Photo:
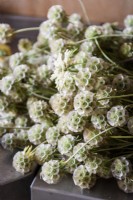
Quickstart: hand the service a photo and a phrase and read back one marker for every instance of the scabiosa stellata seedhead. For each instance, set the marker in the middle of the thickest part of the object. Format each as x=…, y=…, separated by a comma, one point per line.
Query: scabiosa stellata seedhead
x=22, y=139
x=52, y=135
x=66, y=144
x=74, y=17
x=30, y=100
x=126, y=50
x=17, y=59
x=8, y=141
x=89, y=46
x=81, y=59
x=71, y=165
x=95, y=65
x=58, y=46
x=44, y=74
x=98, y=120
x=104, y=92
x=83, y=178
x=21, y=121
x=83, y=79
x=61, y=104
x=75, y=122
x=83, y=103
x=57, y=14
x=93, y=31
x=36, y=134
x=75, y=26
x=43, y=153
x=117, y=116
x=6, y=33
x=126, y=184
x=81, y=152
x=128, y=21
x=100, y=82
x=65, y=83
x=91, y=132
x=62, y=124
x=122, y=82
x=121, y=167
x=23, y=161
x=7, y=118
x=92, y=163
x=24, y=45
x=128, y=31
x=6, y=84
x=20, y=72
x=50, y=172
x=49, y=30
x=37, y=111
x=107, y=29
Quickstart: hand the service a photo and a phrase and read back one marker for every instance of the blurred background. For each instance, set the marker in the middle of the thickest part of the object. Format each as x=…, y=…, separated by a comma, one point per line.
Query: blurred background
x=98, y=10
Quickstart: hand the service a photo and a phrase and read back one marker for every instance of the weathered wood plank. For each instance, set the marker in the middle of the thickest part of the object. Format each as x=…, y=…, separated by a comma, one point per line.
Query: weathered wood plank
x=98, y=10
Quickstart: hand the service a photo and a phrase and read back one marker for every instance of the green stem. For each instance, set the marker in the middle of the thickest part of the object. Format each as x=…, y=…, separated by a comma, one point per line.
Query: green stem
x=86, y=144
x=40, y=96
x=26, y=29
x=128, y=106
x=121, y=136
x=52, y=89
x=103, y=36
x=111, y=61
x=127, y=100
x=25, y=128
x=113, y=148
x=124, y=130
x=116, y=97
x=129, y=155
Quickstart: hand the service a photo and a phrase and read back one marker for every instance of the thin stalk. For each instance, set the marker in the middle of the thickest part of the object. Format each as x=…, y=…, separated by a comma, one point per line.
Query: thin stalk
x=125, y=155
x=128, y=106
x=40, y=96
x=87, y=143
x=121, y=136
x=84, y=11
x=124, y=130
x=127, y=100
x=129, y=155
x=25, y=128
x=107, y=58
x=26, y=29
x=102, y=36
x=111, y=61
x=52, y=89
x=44, y=92
x=112, y=148
x=48, y=90
x=116, y=97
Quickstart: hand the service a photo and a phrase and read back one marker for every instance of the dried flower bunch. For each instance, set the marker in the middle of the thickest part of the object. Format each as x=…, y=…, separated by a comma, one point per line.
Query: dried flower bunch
x=67, y=100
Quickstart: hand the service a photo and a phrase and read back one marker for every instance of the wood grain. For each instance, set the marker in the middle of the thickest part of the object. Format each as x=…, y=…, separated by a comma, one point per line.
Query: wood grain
x=98, y=10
